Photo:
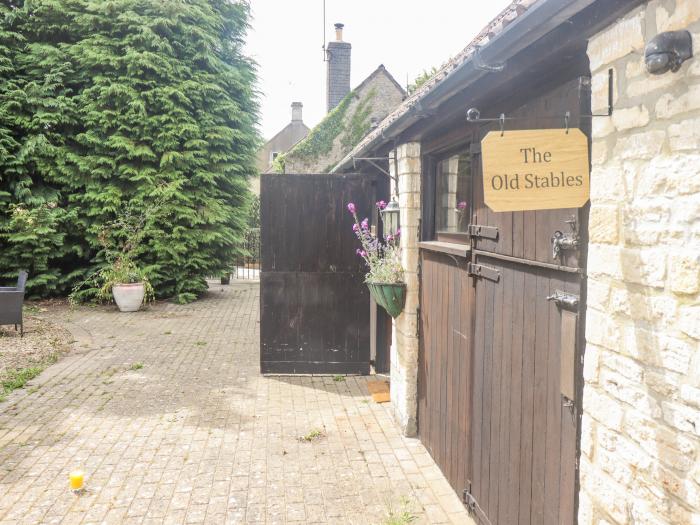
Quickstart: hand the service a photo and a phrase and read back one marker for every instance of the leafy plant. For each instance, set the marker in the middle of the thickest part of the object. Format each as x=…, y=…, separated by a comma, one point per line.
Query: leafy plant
x=382, y=258
x=120, y=240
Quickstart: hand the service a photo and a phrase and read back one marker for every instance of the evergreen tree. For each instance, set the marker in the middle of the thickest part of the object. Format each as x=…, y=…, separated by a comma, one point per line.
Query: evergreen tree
x=137, y=102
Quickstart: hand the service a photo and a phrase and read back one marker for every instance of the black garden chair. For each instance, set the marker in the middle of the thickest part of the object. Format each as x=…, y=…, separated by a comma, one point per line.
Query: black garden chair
x=11, y=300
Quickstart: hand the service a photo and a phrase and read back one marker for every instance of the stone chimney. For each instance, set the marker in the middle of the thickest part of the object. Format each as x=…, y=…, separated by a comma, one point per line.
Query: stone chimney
x=338, y=71
x=296, y=111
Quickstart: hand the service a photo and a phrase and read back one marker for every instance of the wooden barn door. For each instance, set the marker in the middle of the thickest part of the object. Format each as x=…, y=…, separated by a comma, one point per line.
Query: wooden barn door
x=528, y=343
x=315, y=307
x=499, y=393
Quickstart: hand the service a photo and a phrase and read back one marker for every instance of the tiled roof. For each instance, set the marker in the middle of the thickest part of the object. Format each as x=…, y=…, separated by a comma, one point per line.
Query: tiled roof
x=507, y=16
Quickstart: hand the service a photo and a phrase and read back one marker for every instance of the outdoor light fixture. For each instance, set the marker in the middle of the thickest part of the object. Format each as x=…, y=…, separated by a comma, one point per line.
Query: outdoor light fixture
x=667, y=51
x=390, y=218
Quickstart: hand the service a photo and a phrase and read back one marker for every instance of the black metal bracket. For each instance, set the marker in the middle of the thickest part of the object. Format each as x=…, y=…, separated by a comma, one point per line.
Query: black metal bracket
x=373, y=161
x=486, y=272
x=474, y=115
x=486, y=232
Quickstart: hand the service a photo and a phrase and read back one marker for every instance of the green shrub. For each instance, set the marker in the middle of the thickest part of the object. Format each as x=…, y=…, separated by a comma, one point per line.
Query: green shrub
x=139, y=102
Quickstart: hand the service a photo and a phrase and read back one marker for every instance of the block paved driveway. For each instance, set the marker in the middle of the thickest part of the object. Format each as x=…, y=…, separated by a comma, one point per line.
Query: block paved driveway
x=196, y=435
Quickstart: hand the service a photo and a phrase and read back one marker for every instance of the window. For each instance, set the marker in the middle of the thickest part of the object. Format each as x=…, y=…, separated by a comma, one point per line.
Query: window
x=273, y=156
x=453, y=195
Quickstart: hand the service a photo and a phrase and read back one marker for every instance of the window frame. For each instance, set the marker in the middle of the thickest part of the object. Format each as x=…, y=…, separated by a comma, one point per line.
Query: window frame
x=430, y=174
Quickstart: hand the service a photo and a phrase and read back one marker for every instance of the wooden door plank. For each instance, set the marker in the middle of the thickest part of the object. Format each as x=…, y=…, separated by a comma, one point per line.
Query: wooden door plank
x=478, y=389
x=455, y=381
x=485, y=497
x=506, y=322
x=513, y=493
x=528, y=381
x=541, y=306
x=496, y=397
x=553, y=407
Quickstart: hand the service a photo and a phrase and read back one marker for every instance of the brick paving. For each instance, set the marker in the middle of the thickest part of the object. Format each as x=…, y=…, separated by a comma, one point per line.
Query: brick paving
x=196, y=435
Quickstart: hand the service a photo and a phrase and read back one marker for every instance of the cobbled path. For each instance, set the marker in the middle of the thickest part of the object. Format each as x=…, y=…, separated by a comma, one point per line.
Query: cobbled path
x=167, y=414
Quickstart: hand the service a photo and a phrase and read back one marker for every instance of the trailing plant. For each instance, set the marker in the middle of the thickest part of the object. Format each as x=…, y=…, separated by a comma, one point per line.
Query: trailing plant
x=140, y=100
x=382, y=258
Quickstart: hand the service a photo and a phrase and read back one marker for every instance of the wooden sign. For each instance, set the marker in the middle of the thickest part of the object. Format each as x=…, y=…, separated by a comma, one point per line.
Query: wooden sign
x=537, y=169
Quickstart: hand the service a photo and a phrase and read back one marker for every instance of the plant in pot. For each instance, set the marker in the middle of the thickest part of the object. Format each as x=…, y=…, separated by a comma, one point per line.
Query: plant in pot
x=120, y=278
x=385, y=278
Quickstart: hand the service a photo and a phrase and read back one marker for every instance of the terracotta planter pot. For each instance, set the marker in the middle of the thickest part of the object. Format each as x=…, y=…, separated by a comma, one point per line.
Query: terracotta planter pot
x=128, y=296
x=391, y=297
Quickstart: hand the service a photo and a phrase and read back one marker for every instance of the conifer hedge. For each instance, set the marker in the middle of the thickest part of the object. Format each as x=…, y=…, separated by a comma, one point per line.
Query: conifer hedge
x=109, y=105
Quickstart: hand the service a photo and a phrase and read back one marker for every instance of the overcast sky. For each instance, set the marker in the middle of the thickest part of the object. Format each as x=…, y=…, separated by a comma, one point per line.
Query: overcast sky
x=407, y=36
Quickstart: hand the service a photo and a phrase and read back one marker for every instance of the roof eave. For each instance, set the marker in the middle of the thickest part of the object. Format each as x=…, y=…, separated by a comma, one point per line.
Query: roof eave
x=527, y=28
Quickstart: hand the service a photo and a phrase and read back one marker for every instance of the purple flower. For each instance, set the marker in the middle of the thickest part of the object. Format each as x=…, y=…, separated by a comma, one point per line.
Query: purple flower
x=361, y=253
x=389, y=238
x=351, y=207
x=381, y=205
x=355, y=228
x=398, y=233
x=462, y=205
x=365, y=224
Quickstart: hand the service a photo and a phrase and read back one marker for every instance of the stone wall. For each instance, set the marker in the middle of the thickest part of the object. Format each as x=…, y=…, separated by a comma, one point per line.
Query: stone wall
x=640, y=441
x=404, y=347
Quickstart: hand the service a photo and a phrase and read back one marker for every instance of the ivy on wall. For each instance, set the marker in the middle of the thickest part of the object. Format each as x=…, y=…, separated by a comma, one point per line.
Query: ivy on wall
x=359, y=122
x=336, y=125
x=320, y=139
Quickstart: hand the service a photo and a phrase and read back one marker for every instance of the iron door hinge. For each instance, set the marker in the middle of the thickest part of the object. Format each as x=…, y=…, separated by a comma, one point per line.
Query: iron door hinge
x=487, y=232
x=479, y=270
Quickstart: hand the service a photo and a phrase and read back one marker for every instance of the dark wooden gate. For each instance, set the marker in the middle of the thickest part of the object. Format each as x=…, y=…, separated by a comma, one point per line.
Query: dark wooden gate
x=315, y=308
x=500, y=361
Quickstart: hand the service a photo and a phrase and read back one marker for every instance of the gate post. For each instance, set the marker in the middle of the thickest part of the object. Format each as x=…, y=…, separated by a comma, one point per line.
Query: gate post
x=404, y=345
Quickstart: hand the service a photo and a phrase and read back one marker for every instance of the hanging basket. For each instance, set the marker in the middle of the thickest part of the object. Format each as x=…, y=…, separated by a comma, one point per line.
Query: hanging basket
x=391, y=297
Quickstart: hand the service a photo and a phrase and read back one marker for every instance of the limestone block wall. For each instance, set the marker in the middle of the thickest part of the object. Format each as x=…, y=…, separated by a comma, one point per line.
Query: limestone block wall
x=404, y=347
x=640, y=443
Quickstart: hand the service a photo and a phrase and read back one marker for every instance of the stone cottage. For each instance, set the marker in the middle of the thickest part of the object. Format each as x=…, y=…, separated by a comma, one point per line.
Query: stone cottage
x=351, y=113
x=549, y=358
x=285, y=139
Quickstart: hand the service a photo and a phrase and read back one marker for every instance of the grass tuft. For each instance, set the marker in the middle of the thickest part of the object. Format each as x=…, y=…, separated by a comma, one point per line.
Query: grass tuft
x=401, y=516
x=338, y=378
x=137, y=366
x=313, y=435
x=16, y=379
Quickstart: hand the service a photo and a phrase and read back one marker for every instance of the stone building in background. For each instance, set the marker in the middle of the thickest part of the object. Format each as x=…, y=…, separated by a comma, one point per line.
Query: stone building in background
x=280, y=143
x=351, y=113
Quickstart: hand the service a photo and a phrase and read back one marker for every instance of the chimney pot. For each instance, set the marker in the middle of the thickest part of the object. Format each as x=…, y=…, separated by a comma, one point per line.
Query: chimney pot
x=339, y=32
x=296, y=111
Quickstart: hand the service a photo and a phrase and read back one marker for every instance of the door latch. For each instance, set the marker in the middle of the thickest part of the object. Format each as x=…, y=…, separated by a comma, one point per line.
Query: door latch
x=564, y=299
x=565, y=241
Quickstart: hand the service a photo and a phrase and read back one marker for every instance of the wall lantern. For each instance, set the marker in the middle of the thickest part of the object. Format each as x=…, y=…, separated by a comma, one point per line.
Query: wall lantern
x=390, y=218
x=667, y=51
